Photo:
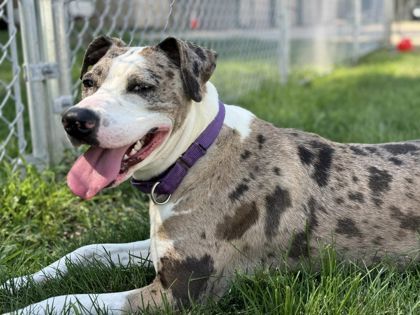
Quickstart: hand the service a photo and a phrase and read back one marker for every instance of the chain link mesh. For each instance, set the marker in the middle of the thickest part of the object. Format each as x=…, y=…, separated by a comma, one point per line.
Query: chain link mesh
x=324, y=33
x=12, y=139
x=245, y=33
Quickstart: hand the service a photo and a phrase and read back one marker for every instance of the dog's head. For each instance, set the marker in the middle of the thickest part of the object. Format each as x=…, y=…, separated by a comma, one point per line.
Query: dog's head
x=133, y=99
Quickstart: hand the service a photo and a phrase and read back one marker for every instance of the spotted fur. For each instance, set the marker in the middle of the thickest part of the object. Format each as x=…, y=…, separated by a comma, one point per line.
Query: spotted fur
x=261, y=194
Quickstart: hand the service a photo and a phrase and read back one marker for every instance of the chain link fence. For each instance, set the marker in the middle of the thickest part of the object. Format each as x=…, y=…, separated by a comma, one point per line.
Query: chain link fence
x=324, y=33
x=12, y=139
x=244, y=33
x=257, y=41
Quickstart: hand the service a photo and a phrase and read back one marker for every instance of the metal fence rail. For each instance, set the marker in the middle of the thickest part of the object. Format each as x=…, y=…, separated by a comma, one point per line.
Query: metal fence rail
x=257, y=40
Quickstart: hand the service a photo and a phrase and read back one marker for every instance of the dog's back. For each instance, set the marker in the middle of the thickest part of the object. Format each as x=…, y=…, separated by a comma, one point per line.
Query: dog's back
x=282, y=193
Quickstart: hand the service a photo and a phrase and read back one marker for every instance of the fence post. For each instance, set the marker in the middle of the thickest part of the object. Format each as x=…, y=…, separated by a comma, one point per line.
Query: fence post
x=284, y=43
x=56, y=103
x=321, y=49
x=388, y=20
x=42, y=74
x=37, y=101
x=357, y=23
x=63, y=56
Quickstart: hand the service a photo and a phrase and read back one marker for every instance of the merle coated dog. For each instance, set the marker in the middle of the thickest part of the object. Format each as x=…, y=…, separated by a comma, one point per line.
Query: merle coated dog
x=229, y=191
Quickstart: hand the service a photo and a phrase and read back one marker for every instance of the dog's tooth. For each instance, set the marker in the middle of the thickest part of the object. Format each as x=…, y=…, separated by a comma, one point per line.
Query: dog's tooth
x=138, y=145
x=133, y=151
x=125, y=157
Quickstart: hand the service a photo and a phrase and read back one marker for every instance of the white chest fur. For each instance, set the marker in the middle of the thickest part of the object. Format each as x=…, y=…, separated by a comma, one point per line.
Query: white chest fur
x=159, y=242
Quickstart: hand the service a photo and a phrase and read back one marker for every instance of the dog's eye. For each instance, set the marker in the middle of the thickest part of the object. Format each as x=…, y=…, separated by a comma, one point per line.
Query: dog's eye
x=140, y=88
x=88, y=83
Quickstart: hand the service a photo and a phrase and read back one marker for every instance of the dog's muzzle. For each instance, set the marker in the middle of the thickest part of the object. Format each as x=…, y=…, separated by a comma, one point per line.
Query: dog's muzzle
x=81, y=124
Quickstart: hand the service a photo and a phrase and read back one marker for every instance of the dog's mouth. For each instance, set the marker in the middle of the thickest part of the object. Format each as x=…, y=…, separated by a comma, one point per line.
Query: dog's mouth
x=142, y=148
x=99, y=168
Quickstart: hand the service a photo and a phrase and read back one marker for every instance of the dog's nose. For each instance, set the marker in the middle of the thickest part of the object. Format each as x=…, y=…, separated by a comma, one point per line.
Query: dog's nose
x=80, y=123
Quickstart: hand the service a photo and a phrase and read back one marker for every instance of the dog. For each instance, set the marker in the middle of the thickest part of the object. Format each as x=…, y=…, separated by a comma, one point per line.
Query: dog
x=228, y=191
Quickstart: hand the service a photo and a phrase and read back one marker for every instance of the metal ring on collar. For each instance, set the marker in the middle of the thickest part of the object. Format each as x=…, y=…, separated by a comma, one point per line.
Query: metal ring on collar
x=154, y=198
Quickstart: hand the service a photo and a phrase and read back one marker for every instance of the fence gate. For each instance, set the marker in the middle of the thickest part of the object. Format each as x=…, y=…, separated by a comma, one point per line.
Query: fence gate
x=32, y=60
x=46, y=74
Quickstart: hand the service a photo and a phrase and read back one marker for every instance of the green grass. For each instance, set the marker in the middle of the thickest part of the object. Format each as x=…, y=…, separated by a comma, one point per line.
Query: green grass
x=375, y=101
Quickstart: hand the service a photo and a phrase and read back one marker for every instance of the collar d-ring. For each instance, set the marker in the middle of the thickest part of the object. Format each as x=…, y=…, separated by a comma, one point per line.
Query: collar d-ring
x=155, y=197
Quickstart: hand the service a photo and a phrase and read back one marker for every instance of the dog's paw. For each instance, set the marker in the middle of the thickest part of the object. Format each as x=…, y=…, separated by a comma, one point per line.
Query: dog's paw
x=15, y=284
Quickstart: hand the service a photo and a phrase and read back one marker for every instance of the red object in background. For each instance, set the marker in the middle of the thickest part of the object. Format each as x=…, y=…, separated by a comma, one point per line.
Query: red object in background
x=194, y=24
x=405, y=44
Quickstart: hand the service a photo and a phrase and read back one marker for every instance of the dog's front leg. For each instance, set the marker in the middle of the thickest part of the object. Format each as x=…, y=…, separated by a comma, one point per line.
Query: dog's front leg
x=119, y=254
x=126, y=302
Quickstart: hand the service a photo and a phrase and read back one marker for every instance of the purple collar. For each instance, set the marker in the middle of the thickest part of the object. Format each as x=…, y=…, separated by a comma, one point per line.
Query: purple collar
x=167, y=182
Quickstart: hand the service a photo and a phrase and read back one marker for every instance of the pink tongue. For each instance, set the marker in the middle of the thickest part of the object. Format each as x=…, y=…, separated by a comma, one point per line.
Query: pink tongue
x=94, y=170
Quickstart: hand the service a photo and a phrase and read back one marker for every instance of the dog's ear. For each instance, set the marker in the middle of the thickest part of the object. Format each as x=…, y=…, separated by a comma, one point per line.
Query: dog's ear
x=196, y=64
x=97, y=49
